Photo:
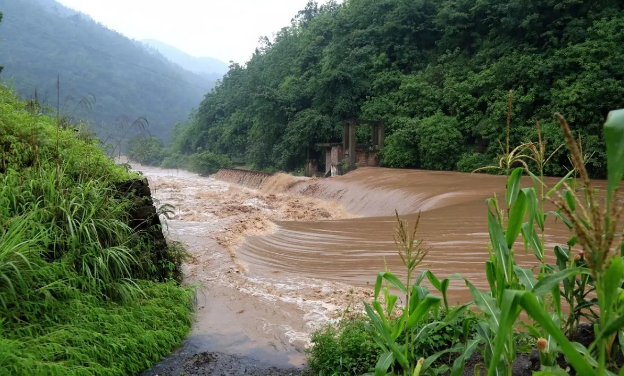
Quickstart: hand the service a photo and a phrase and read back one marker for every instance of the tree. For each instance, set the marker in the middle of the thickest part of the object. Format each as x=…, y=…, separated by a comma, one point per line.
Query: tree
x=1, y=67
x=438, y=72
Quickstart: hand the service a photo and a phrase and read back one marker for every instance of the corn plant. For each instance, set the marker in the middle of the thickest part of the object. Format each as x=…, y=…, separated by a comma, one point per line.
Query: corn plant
x=594, y=226
x=509, y=157
x=392, y=323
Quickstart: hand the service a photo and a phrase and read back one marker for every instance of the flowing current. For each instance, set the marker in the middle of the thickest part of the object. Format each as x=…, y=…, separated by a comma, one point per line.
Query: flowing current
x=276, y=257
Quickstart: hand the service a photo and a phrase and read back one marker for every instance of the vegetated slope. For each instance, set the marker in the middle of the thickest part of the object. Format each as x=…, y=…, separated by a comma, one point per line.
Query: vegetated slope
x=438, y=72
x=208, y=67
x=81, y=291
x=41, y=39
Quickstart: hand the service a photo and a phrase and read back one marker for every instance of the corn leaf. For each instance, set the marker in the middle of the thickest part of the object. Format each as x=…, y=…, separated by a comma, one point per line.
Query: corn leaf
x=487, y=305
x=460, y=362
x=513, y=186
x=516, y=218
x=614, y=137
x=385, y=361
x=510, y=310
x=526, y=277
x=427, y=304
x=499, y=244
x=546, y=284
x=560, y=183
x=529, y=302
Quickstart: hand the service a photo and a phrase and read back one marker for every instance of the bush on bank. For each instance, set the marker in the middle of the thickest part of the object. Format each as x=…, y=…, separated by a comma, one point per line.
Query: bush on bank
x=149, y=151
x=79, y=292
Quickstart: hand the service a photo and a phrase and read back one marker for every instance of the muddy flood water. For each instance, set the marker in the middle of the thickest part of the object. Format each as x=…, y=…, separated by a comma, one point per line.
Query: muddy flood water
x=276, y=257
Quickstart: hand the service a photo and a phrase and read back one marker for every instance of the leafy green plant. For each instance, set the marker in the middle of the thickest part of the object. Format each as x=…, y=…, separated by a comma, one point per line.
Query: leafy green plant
x=396, y=330
x=509, y=157
x=594, y=226
x=206, y=163
x=346, y=348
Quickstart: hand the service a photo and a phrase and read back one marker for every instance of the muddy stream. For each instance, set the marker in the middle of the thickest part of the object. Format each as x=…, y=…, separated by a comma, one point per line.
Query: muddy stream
x=276, y=257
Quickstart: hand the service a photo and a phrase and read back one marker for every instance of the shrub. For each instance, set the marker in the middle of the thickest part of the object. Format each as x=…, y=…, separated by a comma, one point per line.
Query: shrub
x=469, y=162
x=206, y=163
x=346, y=348
x=439, y=142
x=401, y=147
x=145, y=150
x=432, y=143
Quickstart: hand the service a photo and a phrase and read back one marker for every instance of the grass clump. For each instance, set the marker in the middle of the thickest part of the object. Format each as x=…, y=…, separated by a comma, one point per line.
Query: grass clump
x=344, y=349
x=80, y=292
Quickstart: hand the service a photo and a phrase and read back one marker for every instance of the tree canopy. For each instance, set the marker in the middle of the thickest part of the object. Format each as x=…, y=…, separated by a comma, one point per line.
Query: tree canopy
x=438, y=72
x=42, y=40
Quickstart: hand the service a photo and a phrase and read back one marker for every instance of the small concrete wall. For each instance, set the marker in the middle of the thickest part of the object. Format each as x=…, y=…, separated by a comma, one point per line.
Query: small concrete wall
x=365, y=158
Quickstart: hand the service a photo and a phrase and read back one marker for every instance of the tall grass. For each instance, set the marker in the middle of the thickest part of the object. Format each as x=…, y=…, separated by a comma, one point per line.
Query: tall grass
x=75, y=290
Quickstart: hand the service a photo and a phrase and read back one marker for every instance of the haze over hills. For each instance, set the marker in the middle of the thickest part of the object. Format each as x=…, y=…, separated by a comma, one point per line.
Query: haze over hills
x=42, y=39
x=207, y=67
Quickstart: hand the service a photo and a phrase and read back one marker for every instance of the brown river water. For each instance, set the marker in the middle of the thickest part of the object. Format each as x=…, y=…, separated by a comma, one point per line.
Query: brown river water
x=277, y=257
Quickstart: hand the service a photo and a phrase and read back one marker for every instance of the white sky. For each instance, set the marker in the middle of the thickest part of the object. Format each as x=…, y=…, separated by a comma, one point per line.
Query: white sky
x=223, y=29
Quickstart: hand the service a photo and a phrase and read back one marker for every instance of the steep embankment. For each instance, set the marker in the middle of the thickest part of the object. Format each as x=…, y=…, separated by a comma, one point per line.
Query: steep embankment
x=85, y=275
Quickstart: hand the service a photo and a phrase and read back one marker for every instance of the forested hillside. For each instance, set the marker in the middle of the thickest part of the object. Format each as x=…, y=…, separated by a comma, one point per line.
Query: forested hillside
x=438, y=72
x=42, y=39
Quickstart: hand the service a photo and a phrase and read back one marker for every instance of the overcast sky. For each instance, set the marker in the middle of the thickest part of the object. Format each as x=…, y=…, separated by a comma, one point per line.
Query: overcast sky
x=224, y=29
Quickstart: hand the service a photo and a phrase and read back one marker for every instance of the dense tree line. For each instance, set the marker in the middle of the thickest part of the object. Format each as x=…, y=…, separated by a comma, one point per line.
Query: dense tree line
x=42, y=39
x=438, y=72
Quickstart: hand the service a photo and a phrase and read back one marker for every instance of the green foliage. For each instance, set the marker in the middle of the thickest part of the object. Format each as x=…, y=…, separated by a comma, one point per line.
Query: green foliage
x=86, y=335
x=145, y=150
x=401, y=149
x=405, y=62
x=44, y=39
x=345, y=349
x=175, y=160
x=206, y=163
x=439, y=142
x=75, y=290
x=469, y=162
x=1, y=67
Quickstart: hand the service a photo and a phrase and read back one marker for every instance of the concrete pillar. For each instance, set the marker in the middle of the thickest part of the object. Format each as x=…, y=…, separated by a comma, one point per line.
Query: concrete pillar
x=374, y=134
x=381, y=131
x=352, y=141
x=345, y=140
x=328, y=159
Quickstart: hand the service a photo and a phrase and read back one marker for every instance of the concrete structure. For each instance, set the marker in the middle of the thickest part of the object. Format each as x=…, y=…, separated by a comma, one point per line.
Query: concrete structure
x=378, y=132
x=362, y=155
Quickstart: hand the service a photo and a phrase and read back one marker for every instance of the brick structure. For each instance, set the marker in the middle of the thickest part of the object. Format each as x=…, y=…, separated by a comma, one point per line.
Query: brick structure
x=365, y=158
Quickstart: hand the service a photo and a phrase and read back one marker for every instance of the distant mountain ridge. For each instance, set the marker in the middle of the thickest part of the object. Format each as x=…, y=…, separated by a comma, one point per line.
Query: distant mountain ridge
x=42, y=39
x=205, y=66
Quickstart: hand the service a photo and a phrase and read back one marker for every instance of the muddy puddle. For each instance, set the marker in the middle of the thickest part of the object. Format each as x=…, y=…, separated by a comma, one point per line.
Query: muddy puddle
x=278, y=261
